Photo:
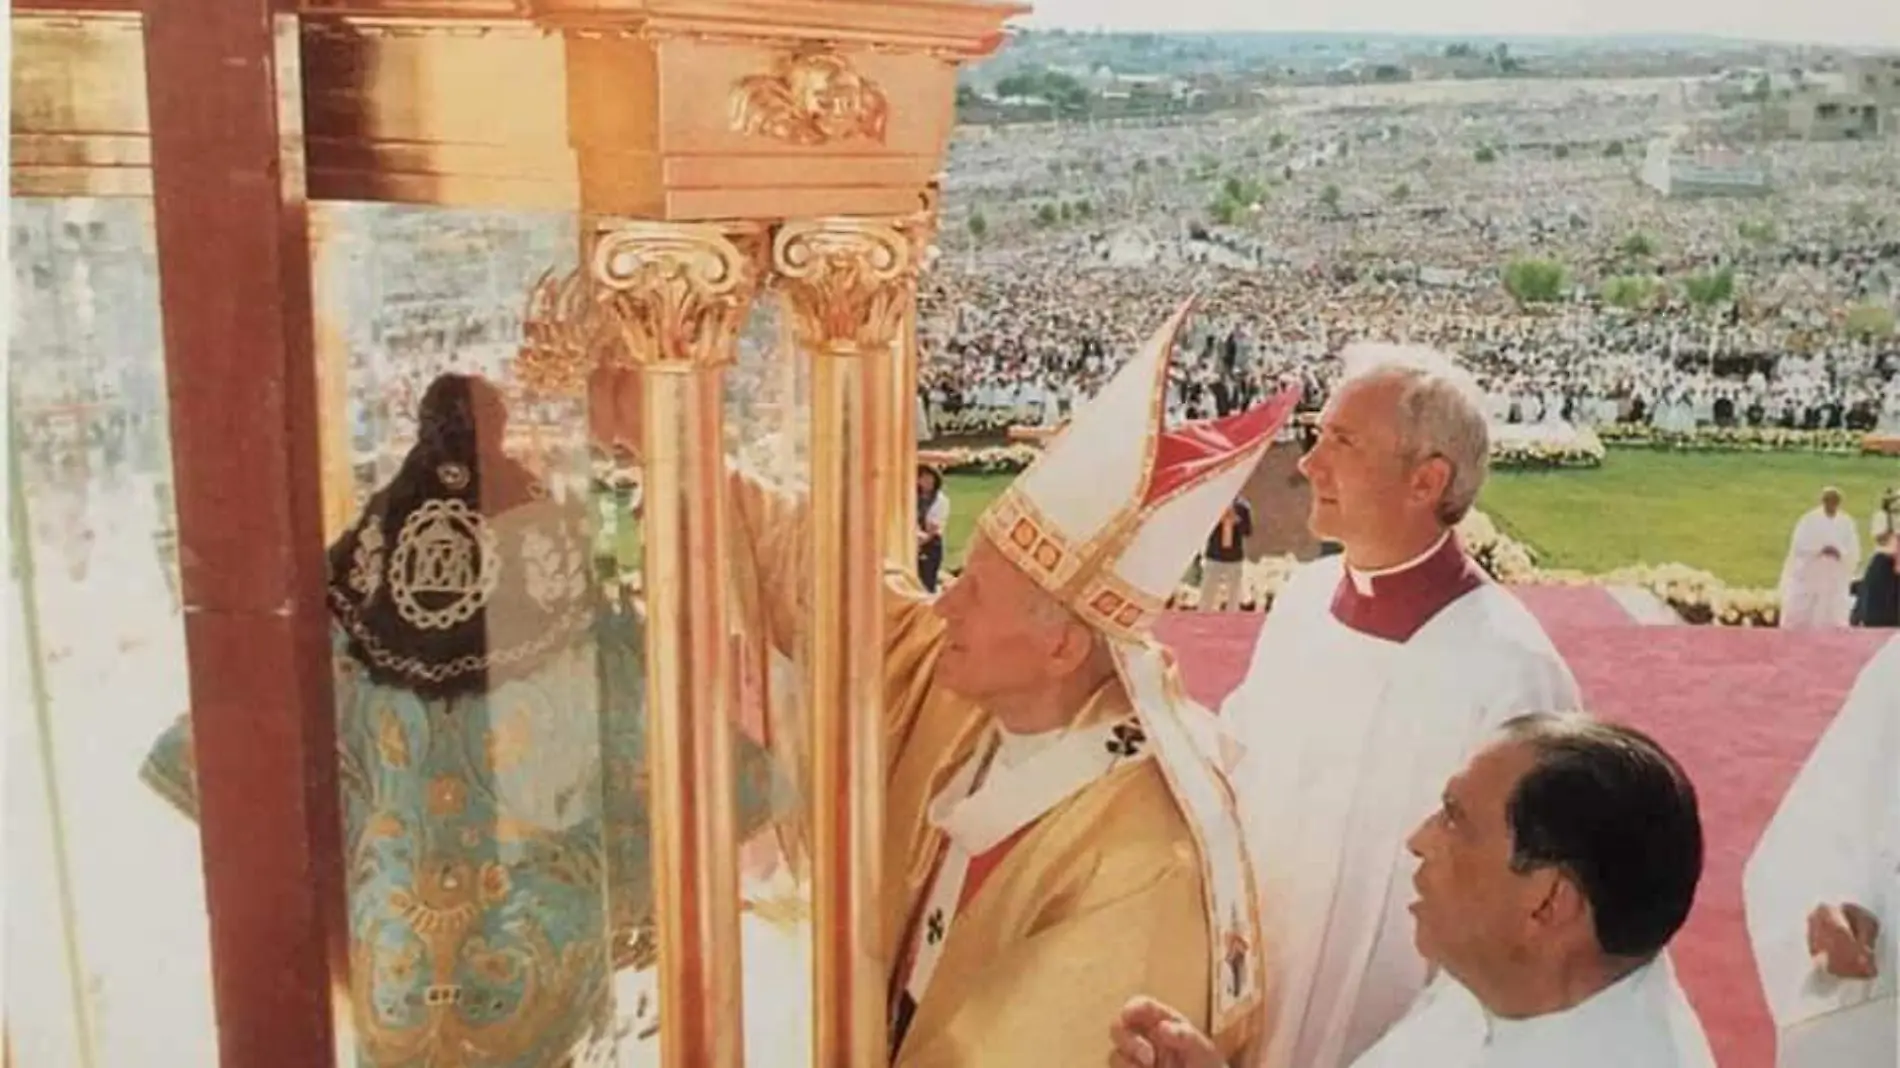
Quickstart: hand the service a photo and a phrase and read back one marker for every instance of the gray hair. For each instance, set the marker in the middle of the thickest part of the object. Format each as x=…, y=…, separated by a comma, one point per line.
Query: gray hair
x=1441, y=415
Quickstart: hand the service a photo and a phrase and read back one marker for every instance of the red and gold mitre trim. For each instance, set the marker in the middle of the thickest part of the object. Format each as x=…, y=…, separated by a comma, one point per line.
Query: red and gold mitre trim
x=1075, y=573
x=1020, y=531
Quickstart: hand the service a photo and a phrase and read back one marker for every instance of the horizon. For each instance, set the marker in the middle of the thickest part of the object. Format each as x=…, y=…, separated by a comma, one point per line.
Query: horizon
x=1869, y=24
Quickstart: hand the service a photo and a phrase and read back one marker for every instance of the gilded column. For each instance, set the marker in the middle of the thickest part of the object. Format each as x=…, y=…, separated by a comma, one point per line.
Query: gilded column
x=899, y=382
x=330, y=315
x=678, y=294
x=849, y=285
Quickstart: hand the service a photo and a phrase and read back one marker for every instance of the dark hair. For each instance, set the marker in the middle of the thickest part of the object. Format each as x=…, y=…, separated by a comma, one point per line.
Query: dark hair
x=1615, y=812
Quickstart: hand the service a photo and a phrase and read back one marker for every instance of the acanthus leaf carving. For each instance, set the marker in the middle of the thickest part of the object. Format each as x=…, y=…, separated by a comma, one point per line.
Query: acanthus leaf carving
x=676, y=294
x=849, y=282
x=668, y=296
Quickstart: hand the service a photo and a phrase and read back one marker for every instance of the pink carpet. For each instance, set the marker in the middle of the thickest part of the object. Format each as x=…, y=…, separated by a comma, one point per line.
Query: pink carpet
x=1739, y=708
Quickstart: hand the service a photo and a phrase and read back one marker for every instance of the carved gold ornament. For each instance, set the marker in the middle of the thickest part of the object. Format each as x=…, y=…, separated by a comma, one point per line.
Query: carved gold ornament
x=676, y=295
x=562, y=335
x=849, y=282
x=812, y=97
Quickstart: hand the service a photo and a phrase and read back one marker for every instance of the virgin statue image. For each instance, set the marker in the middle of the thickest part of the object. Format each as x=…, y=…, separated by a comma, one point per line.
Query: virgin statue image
x=491, y=748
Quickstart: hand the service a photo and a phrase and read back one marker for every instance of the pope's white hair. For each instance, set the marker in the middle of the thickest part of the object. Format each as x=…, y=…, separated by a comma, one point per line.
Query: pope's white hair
x=1441, y=414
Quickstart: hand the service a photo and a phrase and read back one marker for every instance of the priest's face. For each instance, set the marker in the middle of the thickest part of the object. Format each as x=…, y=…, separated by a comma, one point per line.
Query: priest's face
x=1363, y=487
x=1473, y=910
x=1000, y=637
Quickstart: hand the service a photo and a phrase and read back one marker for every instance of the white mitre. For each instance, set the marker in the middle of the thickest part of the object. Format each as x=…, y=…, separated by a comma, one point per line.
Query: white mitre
x=1107, y=519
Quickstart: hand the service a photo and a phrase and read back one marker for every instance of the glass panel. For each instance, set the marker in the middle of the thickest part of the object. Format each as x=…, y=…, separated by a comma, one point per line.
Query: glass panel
x=499, y=828
x=767, y=421
x=108, y=960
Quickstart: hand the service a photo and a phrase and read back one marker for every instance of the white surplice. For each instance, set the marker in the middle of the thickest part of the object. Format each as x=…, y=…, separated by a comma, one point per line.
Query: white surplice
x=1349, y=739
x=1835, y=839
x=1813, y=586
x=1641, y=1021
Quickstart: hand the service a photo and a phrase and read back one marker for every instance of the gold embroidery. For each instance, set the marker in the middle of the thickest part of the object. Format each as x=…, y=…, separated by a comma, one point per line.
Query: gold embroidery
x=366, y=570
x=446, y=556
x=553, y=571
x=391, y=744
x=447, y=795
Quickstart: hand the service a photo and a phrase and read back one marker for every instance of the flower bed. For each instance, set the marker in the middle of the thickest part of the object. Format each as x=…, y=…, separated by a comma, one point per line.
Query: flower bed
x=1544, y=448
x=1734, y=439
x=1582, y=450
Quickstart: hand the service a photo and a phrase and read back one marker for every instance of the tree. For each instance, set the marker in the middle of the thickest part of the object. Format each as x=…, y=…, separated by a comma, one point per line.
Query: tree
x=1707, y=289
x=1486, y=154
x=966, y=96
x=1045, y=215
x=1063, y=212
x=1613, y=150
x=1401, y=193
x=1224, y=211
x=1277, y=141
x=1629, y=291
x=1638, y=246
x=1561, y=152
x=1083, y=209
x=979, y=226
x=1533, y=281
x=1869, y=321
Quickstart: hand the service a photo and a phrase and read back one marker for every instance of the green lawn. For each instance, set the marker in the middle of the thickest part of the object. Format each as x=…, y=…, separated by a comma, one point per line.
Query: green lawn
x=1728, y=513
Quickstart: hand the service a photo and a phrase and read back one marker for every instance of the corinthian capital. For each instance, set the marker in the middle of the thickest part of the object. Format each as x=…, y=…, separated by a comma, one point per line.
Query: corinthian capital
x=849, y=281
x=675, y=294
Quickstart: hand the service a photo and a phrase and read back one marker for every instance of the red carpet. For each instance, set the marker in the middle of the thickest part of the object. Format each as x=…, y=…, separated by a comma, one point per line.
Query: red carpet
x=1739, y=708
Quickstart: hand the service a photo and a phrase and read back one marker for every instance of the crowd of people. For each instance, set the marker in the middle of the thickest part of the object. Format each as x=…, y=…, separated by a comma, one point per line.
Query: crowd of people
x=1390, y=214
x=1001, y=349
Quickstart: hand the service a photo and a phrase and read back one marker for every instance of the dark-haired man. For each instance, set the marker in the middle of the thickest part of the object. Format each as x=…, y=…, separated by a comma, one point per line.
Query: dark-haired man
x=1561, y=861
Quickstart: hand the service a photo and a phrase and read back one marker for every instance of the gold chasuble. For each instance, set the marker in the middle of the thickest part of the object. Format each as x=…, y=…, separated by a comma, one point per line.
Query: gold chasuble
x=1028, y=896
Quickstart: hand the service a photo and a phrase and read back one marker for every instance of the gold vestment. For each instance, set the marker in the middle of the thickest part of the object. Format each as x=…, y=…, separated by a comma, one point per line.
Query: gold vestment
x=1101, y=899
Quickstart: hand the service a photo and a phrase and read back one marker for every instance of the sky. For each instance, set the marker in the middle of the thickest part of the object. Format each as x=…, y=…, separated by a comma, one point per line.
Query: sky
x=1867, y=23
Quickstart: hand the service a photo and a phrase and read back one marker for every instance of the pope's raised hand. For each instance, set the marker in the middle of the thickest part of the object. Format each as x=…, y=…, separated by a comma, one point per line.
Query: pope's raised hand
x=1149, y=1034
x=1842, y=937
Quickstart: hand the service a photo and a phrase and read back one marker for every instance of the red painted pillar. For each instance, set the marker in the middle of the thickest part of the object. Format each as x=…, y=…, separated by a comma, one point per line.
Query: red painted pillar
x=223, y=84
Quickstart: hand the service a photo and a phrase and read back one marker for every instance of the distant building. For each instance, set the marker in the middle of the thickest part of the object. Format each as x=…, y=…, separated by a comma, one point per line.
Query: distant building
x=1861, y=103
x=1675, y=171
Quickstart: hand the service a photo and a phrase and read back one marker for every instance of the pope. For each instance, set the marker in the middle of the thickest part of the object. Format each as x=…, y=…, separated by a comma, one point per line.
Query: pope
x=1058, y=834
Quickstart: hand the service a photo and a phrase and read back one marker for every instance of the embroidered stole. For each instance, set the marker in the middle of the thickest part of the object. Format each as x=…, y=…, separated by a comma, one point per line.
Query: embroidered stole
x=984, y=808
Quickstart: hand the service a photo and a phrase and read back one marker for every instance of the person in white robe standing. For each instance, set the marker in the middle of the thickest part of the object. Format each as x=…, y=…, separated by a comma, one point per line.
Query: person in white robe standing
x=1379, y=671
x=1822, y=560
x=1561, y=861
x=1822, y=890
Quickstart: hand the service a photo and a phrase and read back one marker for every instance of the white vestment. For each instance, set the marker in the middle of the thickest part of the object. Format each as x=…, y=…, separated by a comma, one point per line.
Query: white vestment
x=1835, y=839
x=1349, y=741
x=1814, y=587
x=1641, y=1021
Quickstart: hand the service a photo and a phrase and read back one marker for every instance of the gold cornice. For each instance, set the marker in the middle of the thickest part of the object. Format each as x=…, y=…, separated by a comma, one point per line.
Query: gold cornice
x=952, y=29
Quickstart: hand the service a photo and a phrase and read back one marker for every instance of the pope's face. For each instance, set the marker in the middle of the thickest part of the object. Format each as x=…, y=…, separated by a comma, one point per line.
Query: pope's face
x=998, y=637
x=1472, y=908
x=1360, y=481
